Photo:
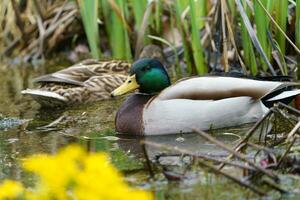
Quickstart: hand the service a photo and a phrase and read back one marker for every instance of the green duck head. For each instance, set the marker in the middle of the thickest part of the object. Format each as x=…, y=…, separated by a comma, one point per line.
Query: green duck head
x=148, y=75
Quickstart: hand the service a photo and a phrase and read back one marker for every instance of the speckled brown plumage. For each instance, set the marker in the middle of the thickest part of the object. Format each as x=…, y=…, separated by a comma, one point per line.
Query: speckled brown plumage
x=88, y=81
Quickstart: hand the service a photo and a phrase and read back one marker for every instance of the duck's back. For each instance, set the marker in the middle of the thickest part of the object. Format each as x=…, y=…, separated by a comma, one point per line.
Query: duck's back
x=218, y=87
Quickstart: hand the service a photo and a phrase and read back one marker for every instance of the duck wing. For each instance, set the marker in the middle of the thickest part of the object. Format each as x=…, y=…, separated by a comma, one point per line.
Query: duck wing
x=216, y=88
x=105, y=83
x=46, y=98
x=81, y=72
x=94, y=89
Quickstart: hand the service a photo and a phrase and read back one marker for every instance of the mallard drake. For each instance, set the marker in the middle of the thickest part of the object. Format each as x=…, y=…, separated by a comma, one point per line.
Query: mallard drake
x=199, y=102
x=88, y=81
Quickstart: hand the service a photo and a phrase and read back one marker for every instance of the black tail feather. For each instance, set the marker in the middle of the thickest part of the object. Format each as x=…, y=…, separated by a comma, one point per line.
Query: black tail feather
x=286, y=100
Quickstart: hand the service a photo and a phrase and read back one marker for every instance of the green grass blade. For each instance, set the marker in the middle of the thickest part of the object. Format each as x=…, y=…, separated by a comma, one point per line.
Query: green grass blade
x=298, y=23
x=253, y=36
x=232, y=8
x=200, y=6
x=89, y=15
x=281, y=8
x=196, y=42
x=180, y=6
x=158, y=14
x=262, y=26
x=106, y=11
x=138, y=7
x=249, y=56
x=143, y=29
x=119, y=39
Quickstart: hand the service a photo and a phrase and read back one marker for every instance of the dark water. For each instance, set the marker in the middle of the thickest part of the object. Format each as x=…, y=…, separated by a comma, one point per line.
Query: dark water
x=92, y=126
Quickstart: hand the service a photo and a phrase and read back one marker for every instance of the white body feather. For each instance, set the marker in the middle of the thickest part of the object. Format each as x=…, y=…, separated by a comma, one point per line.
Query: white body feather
x=200, y=114
x=177, y=114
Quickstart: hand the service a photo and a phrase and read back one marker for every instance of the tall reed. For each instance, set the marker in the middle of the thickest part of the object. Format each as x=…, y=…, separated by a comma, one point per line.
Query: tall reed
x=119, y=39
x=158, y=14
x=180, y=7
x=262, y=42
x=262, y=27
x=249, y=55
x=195, y=36
x=89, y=15
x=138, y=8
x=281, y=10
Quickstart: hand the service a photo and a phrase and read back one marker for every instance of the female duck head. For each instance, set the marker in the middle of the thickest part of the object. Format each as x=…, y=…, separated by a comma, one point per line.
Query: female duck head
x=147, y=75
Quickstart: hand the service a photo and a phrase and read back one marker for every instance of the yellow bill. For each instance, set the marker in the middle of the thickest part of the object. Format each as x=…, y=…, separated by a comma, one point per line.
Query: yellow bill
x=129, y=85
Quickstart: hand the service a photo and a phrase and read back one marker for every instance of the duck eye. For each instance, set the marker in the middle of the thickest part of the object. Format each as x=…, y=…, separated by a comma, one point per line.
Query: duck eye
x=146, y=68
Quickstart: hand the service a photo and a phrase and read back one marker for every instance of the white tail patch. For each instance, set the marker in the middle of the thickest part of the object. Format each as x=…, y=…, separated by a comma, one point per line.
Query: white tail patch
x=40, y=93
x=284, y=95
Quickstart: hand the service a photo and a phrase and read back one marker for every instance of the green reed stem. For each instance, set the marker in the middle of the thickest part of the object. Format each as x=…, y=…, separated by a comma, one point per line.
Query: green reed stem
x=119, y=40
x=158, y=14
x=249, y=55
x=138, y=7
x=180, y=6
x=262, y=26
x=281, y=8
x=195, y=40
x=89, y=14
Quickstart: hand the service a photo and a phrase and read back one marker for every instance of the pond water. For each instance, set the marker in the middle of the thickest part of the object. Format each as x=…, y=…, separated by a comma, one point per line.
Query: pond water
x=92, y=126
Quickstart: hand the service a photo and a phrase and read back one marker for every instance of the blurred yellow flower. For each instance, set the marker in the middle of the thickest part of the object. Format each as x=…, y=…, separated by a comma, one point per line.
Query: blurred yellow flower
x=110, y=185
x=55, y=172
x=10, y=189
x=75, y=174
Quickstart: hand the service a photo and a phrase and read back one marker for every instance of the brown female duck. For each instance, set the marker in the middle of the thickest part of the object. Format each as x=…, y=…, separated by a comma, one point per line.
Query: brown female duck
x=88, y=81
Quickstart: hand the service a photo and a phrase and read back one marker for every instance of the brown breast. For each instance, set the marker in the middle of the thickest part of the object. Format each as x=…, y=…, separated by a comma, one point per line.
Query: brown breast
x=129, y=118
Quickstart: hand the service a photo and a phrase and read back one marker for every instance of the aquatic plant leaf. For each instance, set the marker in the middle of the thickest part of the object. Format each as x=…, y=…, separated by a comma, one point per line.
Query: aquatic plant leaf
x=253, y=36
x=89, y=15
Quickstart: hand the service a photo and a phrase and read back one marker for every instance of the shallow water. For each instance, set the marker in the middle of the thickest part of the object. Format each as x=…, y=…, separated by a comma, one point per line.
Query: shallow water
x=92, y=126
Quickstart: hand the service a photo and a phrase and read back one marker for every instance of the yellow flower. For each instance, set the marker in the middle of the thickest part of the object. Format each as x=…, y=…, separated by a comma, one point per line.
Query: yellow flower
x=74, y=174
x=55, y=172
x=10, y=189
x=101, y=180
